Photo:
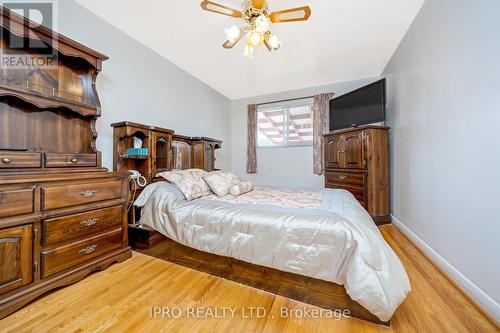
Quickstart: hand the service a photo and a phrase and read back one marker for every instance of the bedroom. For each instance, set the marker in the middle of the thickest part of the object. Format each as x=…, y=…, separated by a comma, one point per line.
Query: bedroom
x=410, y=246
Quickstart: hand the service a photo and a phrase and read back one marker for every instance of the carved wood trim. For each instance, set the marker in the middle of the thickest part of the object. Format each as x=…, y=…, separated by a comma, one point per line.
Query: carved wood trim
x=16, y=23
x=93, y=128
x=47, y=103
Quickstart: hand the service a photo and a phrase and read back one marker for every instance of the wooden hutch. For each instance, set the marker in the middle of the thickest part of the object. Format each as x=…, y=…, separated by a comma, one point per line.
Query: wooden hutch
x=62, y=215
x=166, y=151
x=357, y=160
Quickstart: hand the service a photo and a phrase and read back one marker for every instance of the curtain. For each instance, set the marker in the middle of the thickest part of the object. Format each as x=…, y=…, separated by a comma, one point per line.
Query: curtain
x=321, y=122
x=251, y=139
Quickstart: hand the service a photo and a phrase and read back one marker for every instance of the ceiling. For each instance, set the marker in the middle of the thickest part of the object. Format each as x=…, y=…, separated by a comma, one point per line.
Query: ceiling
x=343, y=40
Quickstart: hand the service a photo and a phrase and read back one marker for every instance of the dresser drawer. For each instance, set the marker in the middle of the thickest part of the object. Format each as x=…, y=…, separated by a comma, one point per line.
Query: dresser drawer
x=345, y=177
x=55, y=160
x=357, y=191
x=60, y=258
x=20, y=160
x=16, y=202
x=67, y=228
x=54, y=197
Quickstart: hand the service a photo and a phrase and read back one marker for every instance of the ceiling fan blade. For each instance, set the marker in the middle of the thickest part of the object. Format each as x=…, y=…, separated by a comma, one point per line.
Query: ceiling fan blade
x=291, y=15
x=220, y=9
x=229, y=45
x=258, y=4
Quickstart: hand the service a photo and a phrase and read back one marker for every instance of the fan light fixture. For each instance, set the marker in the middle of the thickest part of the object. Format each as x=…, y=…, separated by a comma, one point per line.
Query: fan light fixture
x=256, y=23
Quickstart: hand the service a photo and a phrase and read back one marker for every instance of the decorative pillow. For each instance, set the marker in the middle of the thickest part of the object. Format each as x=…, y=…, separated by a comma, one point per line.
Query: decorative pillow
x=189, y=182
x=197, y=172
x=241, y=188
x=221, y=181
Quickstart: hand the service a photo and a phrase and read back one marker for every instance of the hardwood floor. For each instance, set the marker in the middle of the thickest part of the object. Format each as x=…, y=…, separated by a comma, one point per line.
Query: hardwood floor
x=120, y=300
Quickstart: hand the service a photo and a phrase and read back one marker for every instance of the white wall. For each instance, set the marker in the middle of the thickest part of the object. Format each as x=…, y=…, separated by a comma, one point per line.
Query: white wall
x=139, y=85
x=279, y=166
x=444, y=110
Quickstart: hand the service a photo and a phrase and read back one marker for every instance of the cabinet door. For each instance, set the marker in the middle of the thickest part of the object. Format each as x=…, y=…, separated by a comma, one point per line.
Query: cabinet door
x=333, y=151
x=161, y=153
x=209, y=157
x=16, y=261
x=353, y=151
x=199, y=155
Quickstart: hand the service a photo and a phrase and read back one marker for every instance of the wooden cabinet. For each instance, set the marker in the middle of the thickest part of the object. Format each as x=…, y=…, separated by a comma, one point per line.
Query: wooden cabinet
x=352, y=155
x=156, y=142
x=333, y=151
x=344, y=151
x=161, y=152
x=50, y=219
x=16, y=260
x=70, y=81
x=62, y=215
x=204, y=153
x=182, y=152
x=357, y=160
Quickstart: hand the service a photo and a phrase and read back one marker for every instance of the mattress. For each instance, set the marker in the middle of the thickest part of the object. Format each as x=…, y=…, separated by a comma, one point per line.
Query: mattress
x=324, y=234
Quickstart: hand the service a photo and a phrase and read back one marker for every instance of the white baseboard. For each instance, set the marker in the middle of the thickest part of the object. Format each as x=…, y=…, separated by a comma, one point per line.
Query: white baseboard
x=485, y=302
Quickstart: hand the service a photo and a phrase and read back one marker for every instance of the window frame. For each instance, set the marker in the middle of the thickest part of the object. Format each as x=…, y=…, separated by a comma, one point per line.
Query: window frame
x=285, y=106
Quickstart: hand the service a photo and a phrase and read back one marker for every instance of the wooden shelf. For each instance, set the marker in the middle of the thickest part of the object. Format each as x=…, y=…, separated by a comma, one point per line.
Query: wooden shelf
x=45, y=102
x=134, y=157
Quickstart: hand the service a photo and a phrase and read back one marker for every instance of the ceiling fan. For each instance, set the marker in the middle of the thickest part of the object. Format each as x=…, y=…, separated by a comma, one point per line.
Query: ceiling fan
x=256, y=23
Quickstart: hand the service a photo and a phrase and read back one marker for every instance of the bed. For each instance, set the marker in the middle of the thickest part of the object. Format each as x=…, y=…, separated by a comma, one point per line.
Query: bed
x=320, y=247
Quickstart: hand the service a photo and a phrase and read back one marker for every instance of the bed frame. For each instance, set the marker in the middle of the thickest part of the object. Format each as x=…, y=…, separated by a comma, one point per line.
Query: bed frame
x=317, y=292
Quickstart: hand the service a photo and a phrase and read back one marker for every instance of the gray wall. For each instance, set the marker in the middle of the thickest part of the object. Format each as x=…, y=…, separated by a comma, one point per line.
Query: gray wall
x=292, y=166
x=444, y=110
x=139, y=85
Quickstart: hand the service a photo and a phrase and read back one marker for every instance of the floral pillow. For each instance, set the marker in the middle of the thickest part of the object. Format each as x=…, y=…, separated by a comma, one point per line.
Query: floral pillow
x=189, y=182
x=221, y=181
x=241, y=188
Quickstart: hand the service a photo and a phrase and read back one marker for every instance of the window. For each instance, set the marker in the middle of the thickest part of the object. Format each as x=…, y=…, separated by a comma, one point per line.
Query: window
x=285, y=124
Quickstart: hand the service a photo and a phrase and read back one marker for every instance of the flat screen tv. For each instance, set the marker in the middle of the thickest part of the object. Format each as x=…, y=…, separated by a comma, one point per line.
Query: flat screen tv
x=362, y=106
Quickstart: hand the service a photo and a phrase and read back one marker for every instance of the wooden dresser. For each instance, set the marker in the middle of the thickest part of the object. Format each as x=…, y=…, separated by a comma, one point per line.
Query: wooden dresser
x=62, y=216
x=357, y=160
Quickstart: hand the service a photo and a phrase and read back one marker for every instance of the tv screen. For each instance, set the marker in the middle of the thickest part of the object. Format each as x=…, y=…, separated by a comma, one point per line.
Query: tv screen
x=363, y=106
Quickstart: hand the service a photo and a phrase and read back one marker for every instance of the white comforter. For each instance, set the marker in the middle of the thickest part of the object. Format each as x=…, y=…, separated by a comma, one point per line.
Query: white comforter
x=337, y=243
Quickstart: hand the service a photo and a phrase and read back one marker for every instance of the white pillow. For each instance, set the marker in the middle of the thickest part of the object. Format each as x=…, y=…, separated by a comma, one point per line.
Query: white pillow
x=241, y=188
x=189, y=182
x=221, y=181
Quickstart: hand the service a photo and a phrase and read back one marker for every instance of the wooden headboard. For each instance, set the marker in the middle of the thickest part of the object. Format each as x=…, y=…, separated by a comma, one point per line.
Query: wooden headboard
x=165, y=150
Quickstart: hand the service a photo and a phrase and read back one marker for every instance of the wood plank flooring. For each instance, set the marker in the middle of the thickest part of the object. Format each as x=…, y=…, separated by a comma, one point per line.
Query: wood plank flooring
x=121, y=299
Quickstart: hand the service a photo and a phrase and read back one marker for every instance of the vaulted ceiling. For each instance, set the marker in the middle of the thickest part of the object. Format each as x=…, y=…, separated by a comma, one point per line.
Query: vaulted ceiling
x=343, y=40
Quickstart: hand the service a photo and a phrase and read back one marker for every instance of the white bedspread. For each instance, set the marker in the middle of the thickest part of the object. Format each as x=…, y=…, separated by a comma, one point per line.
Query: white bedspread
x=338, y=242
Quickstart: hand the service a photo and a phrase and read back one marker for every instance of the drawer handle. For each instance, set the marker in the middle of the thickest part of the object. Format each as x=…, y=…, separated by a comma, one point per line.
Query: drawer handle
x=6, y=160
x=88, y=193
x=74, y=160
x=342, y=177
x=88, y=249
x=89, y=222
